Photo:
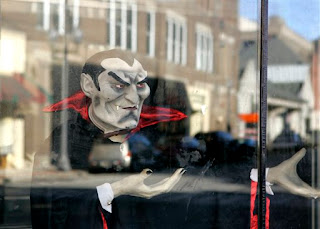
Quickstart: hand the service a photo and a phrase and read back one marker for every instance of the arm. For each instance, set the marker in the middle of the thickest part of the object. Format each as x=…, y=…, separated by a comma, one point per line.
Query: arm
x=134, y=186
x=285, y=174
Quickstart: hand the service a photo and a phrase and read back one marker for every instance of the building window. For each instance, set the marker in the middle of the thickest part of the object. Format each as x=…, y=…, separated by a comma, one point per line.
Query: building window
x=204, y=48
x=176, y=40
x=52, y=15
x=121, y=25
x=150, y=44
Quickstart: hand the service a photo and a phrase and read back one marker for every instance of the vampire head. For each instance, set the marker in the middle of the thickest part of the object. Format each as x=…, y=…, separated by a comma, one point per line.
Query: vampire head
x=116, y=83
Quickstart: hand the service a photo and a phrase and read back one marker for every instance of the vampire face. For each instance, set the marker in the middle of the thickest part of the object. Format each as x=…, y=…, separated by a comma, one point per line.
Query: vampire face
x=118, y=103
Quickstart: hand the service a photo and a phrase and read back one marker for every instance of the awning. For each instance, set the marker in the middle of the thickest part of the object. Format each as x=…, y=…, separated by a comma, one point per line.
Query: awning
x=12, y=91
x=18, y=89
x=35, y=90
x=249, y=118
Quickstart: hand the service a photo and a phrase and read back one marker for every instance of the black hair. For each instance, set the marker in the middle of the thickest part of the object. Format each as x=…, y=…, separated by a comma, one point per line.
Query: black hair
x=94, y=71
x=93, y=66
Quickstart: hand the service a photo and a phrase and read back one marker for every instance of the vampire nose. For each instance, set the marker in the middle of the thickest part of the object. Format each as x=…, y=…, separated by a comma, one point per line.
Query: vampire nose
x=132, y=95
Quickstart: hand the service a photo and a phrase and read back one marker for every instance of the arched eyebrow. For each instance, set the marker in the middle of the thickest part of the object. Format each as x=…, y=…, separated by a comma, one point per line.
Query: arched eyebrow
x=143, y=81
x=117, y=78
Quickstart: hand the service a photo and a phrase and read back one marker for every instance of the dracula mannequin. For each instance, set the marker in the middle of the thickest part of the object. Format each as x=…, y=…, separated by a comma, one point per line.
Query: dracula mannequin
x=114, y=88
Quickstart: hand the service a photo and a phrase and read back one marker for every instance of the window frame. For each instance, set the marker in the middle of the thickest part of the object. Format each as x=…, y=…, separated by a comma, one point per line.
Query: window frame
x=122, y=7
x=150, y=34
x=204, y=48
x=176, y=39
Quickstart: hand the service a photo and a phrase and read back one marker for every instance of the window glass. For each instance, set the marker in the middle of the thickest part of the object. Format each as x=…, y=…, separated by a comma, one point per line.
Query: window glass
x=118, y=27
x=146, y=114
x=129, y=29
x=64, y=164
x=291, y=130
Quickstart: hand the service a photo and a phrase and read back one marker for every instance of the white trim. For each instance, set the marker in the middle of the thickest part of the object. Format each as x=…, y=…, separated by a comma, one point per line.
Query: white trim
x=151, y=33
x=285, y=103
x=184, y=43
x=62, y=6
x=205, y=53
x=76, y=14
x=198, y=50
x=202, y=28
x=172, y=14
x=211, y=55
x=34, y=7
x=227, y=38
x=134, y=27
x=46, y=15
x=169, y=39
x=177, y=44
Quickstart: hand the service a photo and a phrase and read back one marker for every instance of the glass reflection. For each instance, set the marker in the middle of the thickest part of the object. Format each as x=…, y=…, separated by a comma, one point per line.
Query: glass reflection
x=202, y=60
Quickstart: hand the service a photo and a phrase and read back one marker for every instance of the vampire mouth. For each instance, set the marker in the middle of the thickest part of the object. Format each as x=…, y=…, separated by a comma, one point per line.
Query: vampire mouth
x=132, y=108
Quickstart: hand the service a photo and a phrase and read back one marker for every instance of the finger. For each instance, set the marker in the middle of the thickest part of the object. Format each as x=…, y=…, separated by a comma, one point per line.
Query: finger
x=303, y=190
x=293, y=183
x=163, y=186
x=145, y=173
x=178, y=172
x=298, y=156
x=314, y=193
x=176, y=179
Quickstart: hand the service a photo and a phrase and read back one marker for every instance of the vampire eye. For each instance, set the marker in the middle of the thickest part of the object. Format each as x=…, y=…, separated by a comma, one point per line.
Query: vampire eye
x=141, y=85
x=119, y=86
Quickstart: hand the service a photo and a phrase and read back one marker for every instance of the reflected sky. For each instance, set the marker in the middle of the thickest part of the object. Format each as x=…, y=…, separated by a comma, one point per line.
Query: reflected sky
x=302, y=16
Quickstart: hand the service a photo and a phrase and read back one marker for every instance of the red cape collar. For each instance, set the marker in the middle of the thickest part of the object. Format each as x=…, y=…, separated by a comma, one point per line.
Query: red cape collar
x=150, y=115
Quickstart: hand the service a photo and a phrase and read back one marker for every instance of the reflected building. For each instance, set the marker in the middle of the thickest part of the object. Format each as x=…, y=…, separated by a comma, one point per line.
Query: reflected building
x=20, y=99
x=315, y=72
x=189, y=48
x=290, y=88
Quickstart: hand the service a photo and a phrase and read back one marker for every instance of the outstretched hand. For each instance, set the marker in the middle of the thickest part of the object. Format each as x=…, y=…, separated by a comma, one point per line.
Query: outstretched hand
x=134, y=185
x=285, y=175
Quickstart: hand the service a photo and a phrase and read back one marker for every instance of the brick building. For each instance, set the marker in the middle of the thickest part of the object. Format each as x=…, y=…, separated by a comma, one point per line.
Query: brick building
x=188, y=43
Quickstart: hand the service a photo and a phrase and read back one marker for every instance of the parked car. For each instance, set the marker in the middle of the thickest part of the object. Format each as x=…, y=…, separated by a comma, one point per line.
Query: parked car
x=144, y=154
x=107, y=155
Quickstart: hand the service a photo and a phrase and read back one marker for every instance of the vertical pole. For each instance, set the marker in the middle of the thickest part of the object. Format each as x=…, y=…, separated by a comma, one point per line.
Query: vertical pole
x=263, y=115
x=64, y=162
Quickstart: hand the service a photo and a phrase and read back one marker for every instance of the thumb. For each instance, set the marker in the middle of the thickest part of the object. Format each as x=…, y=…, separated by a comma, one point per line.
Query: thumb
x=299, y=155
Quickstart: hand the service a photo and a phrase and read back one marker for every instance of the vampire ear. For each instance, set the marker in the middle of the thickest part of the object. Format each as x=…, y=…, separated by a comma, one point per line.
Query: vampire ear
x=87, y=85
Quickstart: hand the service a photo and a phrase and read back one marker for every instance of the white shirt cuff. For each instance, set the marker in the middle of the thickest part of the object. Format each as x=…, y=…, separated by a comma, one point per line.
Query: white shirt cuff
x=106, y=196
x=254, y=177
